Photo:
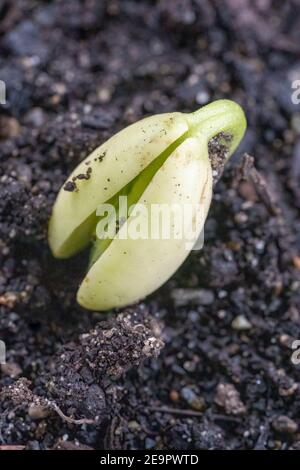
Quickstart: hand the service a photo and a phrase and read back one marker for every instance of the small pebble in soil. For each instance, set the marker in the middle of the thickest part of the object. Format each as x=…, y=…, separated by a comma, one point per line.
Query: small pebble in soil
x=12, y=369
x=42, y=144
x=70, y=186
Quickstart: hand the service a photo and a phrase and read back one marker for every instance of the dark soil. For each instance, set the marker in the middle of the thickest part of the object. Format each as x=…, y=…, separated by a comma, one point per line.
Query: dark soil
x=205, y=363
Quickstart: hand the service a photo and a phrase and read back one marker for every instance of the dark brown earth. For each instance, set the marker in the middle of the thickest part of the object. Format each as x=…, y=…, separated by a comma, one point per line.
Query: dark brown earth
x=204, y=367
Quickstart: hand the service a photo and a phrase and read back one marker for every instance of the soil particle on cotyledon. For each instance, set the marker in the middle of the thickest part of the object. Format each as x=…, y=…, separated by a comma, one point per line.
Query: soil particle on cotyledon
x=218, y=148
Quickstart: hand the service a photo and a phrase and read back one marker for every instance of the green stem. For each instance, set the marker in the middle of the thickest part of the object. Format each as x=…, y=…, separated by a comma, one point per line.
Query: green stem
x=220, y=116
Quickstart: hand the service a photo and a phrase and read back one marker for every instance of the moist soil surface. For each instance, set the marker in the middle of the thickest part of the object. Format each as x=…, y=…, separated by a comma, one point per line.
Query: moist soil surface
x=206, y=361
